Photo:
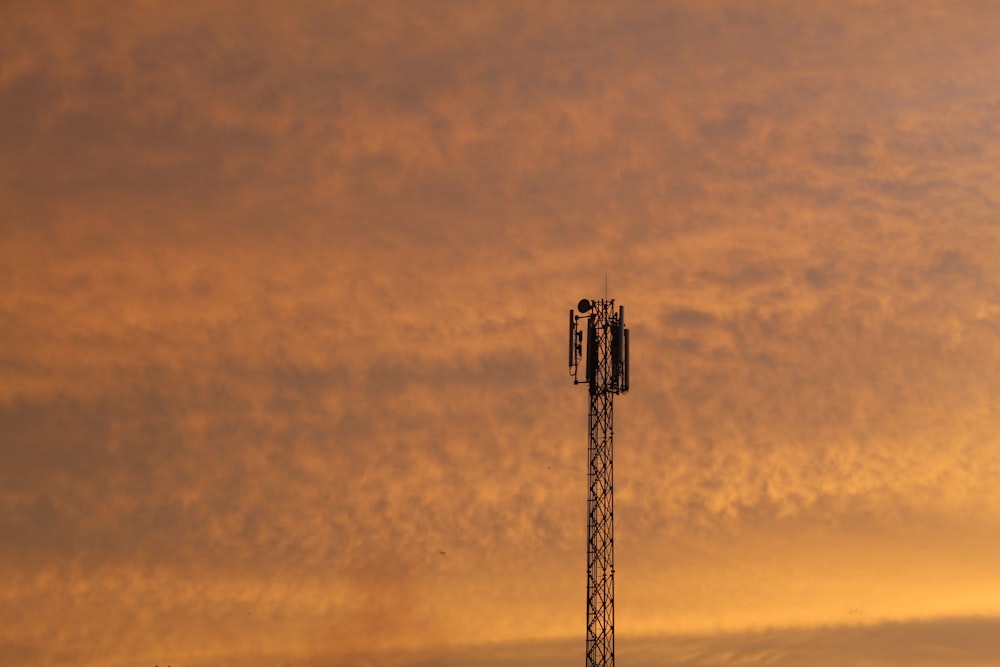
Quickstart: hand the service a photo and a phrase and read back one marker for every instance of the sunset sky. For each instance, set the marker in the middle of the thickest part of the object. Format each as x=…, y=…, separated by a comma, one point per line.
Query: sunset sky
x=283, y=298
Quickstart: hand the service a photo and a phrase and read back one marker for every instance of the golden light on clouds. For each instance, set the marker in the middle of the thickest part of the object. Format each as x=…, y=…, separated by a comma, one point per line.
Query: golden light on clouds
x=282, y=297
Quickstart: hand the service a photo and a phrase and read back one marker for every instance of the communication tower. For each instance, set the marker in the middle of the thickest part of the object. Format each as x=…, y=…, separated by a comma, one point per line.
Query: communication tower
x=605, y=372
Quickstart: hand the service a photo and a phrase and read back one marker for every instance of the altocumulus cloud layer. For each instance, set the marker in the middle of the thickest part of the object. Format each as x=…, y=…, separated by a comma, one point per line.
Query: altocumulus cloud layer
x=282, y=297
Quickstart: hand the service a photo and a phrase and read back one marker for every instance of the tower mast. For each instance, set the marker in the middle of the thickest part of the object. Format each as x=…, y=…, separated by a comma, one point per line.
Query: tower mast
x=605, y=372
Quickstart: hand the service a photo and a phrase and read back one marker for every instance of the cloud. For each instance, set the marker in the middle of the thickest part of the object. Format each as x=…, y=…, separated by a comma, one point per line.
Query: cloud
x=959, y=641
x=953, y=641
x=283, y=298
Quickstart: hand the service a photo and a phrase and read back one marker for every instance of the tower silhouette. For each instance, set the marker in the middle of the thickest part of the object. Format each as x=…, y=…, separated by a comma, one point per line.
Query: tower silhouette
x=605, y=373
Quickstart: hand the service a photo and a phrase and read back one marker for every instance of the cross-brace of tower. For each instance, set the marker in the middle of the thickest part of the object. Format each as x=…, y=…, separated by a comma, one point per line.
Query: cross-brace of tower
x=605, y=367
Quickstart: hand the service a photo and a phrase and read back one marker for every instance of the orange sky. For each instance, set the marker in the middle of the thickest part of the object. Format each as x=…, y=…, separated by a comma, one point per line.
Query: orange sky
x=283, y=293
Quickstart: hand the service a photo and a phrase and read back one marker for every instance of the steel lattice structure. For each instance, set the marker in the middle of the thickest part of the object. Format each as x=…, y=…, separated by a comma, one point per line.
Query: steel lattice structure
x=606, y=374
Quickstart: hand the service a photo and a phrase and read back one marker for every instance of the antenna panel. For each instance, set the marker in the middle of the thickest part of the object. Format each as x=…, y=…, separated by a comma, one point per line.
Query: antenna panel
x=616, y=355
x=572, y=337
x=625, y=362
x=591, y=352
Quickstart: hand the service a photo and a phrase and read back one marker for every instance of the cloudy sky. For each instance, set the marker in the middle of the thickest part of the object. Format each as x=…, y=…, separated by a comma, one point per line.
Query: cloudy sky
x=283, y=296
